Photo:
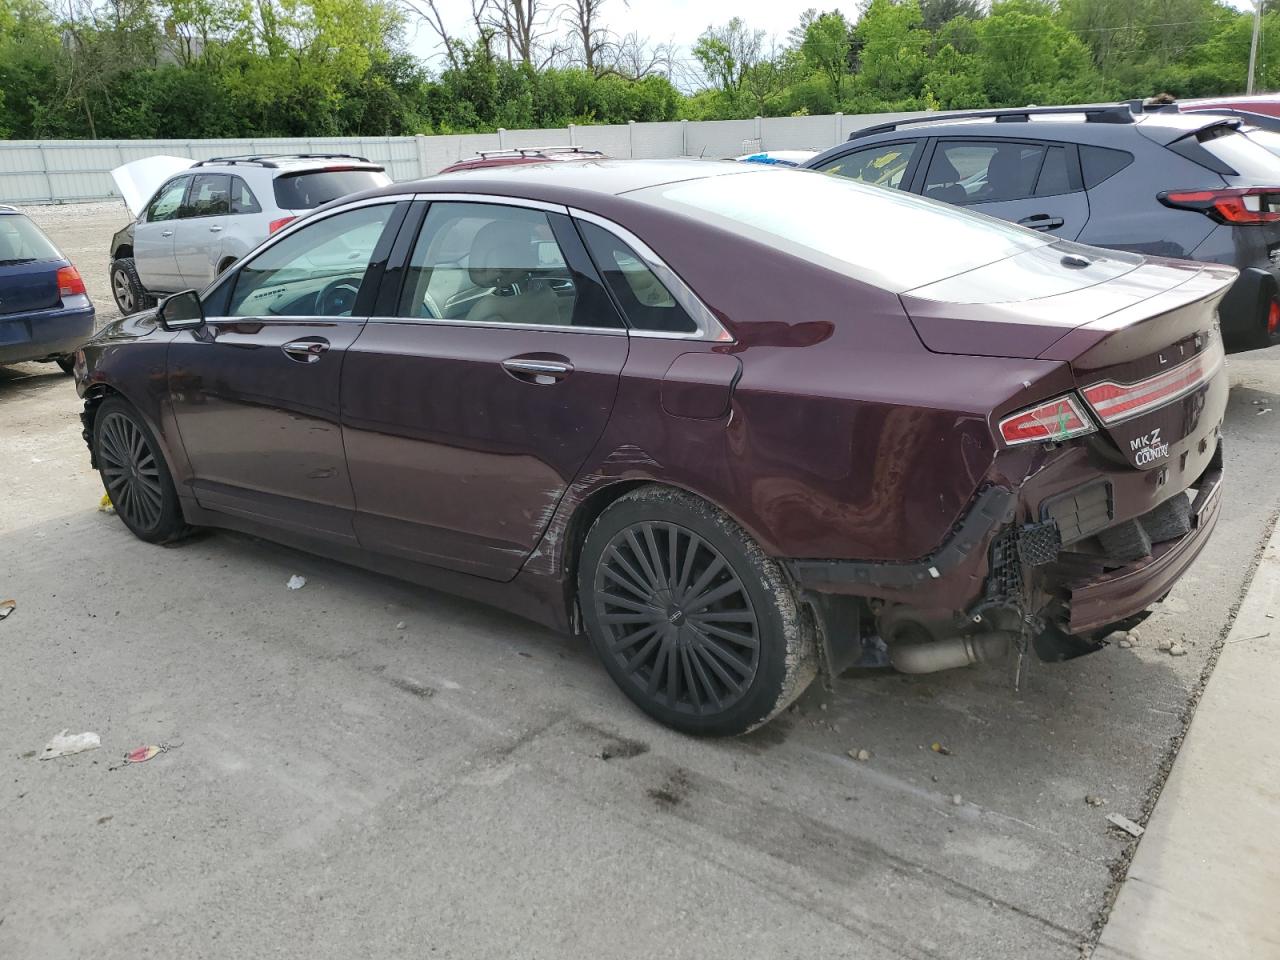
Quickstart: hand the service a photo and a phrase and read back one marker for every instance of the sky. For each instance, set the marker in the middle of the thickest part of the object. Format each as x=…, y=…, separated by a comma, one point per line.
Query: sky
x=680, y=21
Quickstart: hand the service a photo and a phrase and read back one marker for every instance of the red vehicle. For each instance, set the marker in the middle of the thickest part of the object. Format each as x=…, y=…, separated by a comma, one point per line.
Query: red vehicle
x=1262, y=104
x=506, y=158
x=733, y=441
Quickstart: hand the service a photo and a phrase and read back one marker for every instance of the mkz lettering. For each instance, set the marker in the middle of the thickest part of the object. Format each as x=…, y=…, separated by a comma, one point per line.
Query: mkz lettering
x=1148, y=448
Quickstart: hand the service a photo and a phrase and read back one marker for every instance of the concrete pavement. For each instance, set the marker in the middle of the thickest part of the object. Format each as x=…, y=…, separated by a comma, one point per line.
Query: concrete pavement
x=1205, y=882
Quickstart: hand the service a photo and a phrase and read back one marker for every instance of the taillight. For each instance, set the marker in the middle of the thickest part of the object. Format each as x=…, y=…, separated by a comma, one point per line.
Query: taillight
x=1116, y=402
x=275, y=225
x=69, y=282
x=1273, y=318
x=1059, y=419
x=1241, y=205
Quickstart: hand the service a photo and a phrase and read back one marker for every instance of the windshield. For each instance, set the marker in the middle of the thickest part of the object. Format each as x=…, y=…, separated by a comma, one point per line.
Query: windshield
x=305, y=191
x=876, y=234
x=21, y=241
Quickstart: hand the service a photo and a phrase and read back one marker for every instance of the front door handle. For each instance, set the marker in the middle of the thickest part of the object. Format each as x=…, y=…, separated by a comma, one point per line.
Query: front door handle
x=166, y=233
x=1042, y=221
x=215, y=229
x=306, y=350
x=539, y=371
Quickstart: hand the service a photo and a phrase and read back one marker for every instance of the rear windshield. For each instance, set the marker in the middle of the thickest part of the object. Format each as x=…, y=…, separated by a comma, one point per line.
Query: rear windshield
x=1269, y=140
x=1243, y=154
x=21, y=241
x=305, y=191
x=876, y=234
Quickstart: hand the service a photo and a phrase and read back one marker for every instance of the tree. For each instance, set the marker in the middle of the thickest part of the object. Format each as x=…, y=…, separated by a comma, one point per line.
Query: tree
x=826, y=47
x=727, y=54
x=592, y=42
x=894, y=50
x=935, y=13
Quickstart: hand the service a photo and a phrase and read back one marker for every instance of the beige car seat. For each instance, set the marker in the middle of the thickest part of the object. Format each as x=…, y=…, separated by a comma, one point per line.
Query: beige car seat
x=504, y=256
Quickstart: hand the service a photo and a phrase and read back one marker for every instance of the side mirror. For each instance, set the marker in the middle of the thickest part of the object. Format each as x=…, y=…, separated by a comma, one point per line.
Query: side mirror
x=182, y=311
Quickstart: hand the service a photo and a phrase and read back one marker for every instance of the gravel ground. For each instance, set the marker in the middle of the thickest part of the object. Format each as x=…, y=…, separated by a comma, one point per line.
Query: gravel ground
x=367, y=768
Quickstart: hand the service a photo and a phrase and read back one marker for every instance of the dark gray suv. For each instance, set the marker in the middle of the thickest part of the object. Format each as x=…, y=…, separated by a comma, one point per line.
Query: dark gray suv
x=1164, y=184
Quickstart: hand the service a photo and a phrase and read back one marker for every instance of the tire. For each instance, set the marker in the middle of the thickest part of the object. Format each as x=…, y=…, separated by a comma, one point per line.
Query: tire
x=67, y=363
x=135, y=475
x=127, y=289
x=739, y=660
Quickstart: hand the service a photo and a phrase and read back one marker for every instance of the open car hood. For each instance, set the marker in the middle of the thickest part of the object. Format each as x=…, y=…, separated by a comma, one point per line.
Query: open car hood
x=138, y=180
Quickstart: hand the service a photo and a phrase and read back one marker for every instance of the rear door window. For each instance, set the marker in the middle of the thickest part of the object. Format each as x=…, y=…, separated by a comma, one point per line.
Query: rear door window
x=964, y=171
x=209, y=197
x=305, y=191
x=885, y=165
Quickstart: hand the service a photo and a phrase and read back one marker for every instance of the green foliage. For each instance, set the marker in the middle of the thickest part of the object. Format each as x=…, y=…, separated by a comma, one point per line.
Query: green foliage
x=246, y=68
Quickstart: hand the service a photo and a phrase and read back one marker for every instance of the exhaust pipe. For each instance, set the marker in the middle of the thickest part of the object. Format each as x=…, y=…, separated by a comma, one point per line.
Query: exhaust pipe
x=949, y=652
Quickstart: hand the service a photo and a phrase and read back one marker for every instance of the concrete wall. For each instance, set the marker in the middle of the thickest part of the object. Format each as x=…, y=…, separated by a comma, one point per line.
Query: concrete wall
x=64, y=171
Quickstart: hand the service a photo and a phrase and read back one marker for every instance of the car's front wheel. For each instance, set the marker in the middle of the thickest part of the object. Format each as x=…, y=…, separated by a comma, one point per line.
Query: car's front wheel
x=127, y=289
x=134, y=473
x=692, y=620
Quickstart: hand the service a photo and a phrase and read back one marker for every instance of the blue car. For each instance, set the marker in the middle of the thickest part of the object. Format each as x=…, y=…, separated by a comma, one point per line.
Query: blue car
x=45, y=311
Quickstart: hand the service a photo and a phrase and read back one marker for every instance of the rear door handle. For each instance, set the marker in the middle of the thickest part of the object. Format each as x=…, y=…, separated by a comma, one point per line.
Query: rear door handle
x=1042, y=221
x=215, y=229
x=306, y=350
x=166, y=233
x=538, y=371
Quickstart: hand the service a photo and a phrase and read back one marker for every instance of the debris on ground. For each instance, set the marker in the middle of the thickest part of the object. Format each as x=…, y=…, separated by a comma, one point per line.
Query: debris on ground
x=861, y=755
x=1177, y=650
x=1264, y=410
x=1164, y=645
x=956, y=799
x=7, y=607
x=1132, y=637
x=1094, y=800
x=105, y=505
x=64, y=746
x=936, y=747
x=1125, y=643
x=143, y=754
x=296, y=582
x=400, y=625
x=1125, y=824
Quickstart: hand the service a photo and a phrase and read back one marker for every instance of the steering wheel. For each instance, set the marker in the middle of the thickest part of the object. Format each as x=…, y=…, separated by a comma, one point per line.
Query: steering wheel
x=338, y=298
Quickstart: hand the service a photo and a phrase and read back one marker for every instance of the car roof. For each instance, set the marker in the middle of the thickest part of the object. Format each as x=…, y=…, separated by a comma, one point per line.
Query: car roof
x=568, y=181
x=1160, y=127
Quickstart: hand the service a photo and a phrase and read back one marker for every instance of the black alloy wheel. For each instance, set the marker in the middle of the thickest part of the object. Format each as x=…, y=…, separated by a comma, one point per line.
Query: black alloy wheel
x=679, y=620
x=135, y=475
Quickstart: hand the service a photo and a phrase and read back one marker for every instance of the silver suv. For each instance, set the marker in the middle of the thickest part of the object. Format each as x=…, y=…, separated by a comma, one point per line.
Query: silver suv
x=200, y=221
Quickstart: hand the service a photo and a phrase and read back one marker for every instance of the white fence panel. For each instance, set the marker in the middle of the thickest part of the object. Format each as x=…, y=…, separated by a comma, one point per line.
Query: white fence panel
x=63, y=171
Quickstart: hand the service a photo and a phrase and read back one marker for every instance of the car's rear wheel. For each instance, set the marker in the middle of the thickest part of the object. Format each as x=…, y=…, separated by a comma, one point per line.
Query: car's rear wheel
x=691, y=619
x=134, y=473
x=126, y=289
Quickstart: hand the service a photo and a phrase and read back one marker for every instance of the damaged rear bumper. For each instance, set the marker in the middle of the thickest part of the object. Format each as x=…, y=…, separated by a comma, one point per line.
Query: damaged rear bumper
x=1005, y=566
x=1096, y=602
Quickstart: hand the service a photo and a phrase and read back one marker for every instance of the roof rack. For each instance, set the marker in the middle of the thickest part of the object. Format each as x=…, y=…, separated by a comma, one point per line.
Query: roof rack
x=526, y=151
x=269, y=159
x=1124, y=112
x=1263, y=120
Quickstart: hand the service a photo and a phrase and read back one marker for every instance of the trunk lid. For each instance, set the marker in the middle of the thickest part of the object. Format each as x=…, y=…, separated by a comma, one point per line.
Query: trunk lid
x=28, y=286
x=1140, y=336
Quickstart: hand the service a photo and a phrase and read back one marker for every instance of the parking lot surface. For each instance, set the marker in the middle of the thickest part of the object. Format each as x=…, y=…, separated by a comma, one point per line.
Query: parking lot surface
x=365, y=768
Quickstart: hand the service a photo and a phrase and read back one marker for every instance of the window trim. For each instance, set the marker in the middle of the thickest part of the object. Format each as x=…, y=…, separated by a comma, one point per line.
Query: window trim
x=709, y=328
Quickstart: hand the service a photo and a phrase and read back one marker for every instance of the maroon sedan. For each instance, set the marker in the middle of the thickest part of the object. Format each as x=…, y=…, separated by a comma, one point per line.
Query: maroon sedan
x=736, y=424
